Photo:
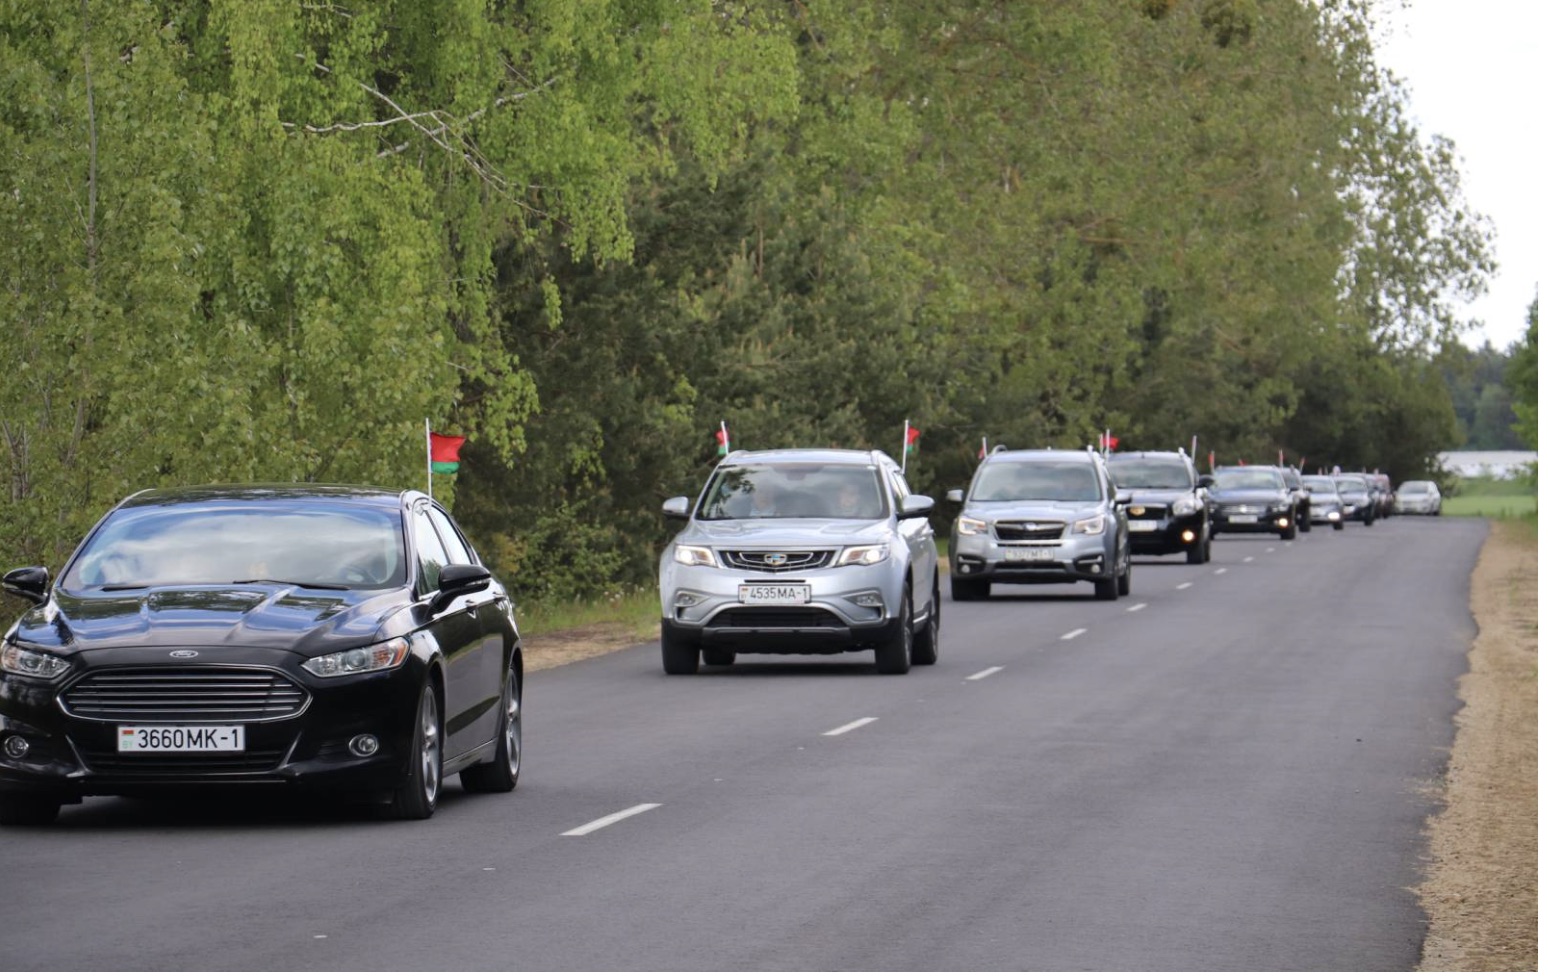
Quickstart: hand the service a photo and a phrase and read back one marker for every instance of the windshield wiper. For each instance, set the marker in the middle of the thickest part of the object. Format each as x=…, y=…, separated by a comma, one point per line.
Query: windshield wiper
x=123, y=587
x=304, y=584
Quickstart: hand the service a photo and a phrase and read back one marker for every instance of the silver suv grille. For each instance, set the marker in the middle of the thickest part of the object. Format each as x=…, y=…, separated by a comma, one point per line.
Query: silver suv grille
x=184, y=695
x=776, y=561
x=1029, y=530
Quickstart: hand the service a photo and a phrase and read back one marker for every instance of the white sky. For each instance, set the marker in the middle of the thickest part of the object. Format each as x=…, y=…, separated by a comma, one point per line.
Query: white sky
x=1473, y=71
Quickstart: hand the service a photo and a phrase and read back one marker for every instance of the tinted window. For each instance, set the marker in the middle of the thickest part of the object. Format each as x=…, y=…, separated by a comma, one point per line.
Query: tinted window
x=1051, y=479
x=1248, y=479
x=1353, y=482
x=456, y=547
x=1318, y=483
x=1150, y=473
x=432, y=555
x=224, y=541
x=793, y=491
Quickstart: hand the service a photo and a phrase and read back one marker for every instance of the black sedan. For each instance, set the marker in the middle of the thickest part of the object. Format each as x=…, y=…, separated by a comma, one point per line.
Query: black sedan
x=1168, y=509
x=1251, y=499
x=341, y=639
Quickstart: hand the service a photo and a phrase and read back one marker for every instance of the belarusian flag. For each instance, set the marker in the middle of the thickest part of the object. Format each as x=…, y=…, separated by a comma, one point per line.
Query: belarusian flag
x=722, y=440
x=443, y=452
x=911, y=441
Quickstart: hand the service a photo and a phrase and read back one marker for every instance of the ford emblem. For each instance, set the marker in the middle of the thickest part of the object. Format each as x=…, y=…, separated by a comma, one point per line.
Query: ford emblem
x=775, y=560
x=184, y=654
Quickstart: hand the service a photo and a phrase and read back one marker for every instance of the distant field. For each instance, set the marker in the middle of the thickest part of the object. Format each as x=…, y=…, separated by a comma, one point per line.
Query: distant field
x=1494, y=507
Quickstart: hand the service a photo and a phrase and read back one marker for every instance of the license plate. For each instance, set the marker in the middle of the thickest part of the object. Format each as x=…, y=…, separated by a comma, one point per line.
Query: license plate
x=181, y=740
x=1144, y=526
x=1243, y=519
x=1030, y=555
x=774, y=593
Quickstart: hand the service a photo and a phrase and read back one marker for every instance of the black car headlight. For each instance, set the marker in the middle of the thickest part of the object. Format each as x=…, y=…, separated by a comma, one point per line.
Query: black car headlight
x=1185, y=506
x=372, y=658
x=37, y=665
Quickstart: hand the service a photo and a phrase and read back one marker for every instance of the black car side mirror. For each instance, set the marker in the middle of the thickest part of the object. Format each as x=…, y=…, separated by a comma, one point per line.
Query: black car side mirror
x=1205, y=481
x=27, y=583
x=459, y=579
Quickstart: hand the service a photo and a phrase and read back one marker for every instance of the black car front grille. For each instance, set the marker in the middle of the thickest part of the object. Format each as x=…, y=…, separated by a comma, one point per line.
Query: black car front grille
x=184, y=695
x=1148, y=512
x=247, y=762
x=776, y=618
x=1029, y=530
x=776, y=561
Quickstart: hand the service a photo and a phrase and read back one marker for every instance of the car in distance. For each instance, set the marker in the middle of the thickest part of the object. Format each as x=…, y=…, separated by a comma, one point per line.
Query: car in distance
x=1359, y=502
x=1168, y=507
x=343, y=639
x=1381, y=491
x=801, y=551
x=1040, y=516
x=1417, y=496
x=1327, y=506
x=1251, y=499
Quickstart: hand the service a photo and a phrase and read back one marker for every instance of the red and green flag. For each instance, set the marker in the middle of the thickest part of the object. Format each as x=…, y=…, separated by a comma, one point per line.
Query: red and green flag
x=444, y=451
x=911, y=441
x=722, y=440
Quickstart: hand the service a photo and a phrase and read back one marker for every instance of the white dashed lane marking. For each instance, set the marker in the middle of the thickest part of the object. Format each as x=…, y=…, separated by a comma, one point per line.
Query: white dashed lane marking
x=1246, y=560
x=1135, y=607
x=607, y=820
x=1185, y=585
x=986, y=672
x=1222, y=570
x=846, y=728
x=1069, y=635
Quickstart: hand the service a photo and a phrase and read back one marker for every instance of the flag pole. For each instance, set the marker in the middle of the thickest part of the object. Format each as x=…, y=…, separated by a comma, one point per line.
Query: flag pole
x=1193, y=453
x=429, y=469
x=905, y=446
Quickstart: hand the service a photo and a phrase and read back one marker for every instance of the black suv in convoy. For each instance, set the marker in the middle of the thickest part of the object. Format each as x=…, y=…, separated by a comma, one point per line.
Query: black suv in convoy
x=1168, y=508
x=1251, y=499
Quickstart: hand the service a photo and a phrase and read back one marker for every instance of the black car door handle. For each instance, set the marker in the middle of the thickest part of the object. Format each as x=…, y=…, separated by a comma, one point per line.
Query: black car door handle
x=470, y=606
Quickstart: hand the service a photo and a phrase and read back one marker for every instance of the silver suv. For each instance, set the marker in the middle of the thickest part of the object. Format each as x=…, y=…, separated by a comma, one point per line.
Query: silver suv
x=801, y=551
x=1040, y=517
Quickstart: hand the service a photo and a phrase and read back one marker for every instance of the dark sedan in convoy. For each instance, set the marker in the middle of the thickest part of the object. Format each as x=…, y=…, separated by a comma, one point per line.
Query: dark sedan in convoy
x=1251, y=499
x=1168, y=508
x=1327, y=506
x=341, y=639
x=1360, y=503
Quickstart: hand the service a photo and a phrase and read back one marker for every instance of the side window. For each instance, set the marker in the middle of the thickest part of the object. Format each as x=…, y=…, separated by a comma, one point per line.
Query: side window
x=456, y=548
x=428, y=548
x=898, y=488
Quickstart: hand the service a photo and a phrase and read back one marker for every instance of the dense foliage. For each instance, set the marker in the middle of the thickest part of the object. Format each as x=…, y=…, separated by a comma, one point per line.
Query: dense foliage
x=264, y=240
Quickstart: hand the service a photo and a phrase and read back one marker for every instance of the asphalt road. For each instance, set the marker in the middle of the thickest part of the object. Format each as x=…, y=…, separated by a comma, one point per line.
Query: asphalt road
x=1228, y=770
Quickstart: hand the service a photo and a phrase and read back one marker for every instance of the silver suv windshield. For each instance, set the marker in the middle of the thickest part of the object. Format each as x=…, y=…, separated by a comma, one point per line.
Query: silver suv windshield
x=1248, y=479
x=1149, y=473
x=794, y=491
x=1050, y=479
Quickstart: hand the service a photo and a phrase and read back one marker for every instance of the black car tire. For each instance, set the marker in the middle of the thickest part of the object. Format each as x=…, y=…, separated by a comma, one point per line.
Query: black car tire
x=28, y=809
x=420, y=788
x=719, y=657
x=893, y=657
x=927, y=643
x=1127, y=579
x=1339, y=525
x=963, y=589
x=500, y=774
x=1107, y=589
x=1198, y=550
x=1304, y=522
x=1288, y=533
x=1370, y=516
x=679, y=657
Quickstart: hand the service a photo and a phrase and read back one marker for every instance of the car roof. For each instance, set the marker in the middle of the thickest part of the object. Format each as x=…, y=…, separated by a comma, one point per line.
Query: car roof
x=1149, y=453
x=1052, y=454
x=828, y=456
x=361, y=495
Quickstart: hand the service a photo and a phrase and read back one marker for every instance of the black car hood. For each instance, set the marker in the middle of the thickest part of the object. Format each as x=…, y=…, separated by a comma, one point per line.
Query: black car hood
x=307, y=622
x=1260, y=497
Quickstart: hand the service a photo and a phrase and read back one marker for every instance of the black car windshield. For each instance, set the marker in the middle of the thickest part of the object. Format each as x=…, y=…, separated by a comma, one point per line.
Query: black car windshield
x=1318, y=483
x=1050, y=479
x=313, y=542
x=794, y=491
x=1150, y=473
x=1248, y=479
x=1352, y=482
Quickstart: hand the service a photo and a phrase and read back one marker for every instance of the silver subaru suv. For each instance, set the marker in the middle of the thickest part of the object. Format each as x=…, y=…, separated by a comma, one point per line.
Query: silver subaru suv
x=1040, y=517
x=801, y=551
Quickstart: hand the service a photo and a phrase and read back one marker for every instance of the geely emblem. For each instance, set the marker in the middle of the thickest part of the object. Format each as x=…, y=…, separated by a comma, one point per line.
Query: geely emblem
x=184, y=654
x=775, y=560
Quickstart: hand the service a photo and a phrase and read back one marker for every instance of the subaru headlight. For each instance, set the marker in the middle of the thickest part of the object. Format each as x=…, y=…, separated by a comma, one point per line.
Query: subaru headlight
x=38, y=665
x=693, y=556
x=1186, y=506
x=1092, y=525
x=865, y=556
x=968, y=526
x=372, y=658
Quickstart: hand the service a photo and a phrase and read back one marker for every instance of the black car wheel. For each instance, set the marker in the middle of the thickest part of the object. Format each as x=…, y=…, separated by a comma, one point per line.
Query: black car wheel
x=893, y=657
x=719, y=657
x=500, y=774
x=421, y=787
x=1198, y=550
x=679, y=657
x=28, y=809
x=1107, y=590
x=928, y=642
x=1288, y=533
x=963, y=589
x=1127, y=579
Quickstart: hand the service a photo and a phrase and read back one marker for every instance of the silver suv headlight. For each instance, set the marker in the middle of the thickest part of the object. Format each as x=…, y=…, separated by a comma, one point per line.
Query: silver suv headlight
x=968, y=526
x=1186, y=506
x=693, y=556
x=867, y=555
x=1091, y=526
x=372, y=658
x=38, y=665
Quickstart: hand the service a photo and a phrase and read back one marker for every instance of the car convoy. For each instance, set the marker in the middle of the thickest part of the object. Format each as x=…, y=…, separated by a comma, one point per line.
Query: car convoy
x=351, y=640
